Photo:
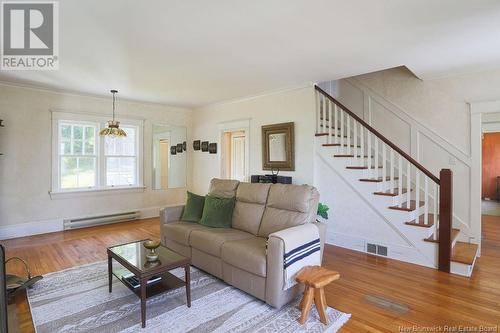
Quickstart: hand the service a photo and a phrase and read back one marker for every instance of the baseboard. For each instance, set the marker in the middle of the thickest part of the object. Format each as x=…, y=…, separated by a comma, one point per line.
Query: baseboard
x=31, y=228
x=396, y=252
x=53, y=225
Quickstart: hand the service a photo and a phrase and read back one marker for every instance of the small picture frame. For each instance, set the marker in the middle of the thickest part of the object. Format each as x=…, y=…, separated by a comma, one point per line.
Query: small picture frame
x=212, y=148
x=204, y=146
x=184, y=146
x=179, y=147
x=173, y=150
x=196, y=144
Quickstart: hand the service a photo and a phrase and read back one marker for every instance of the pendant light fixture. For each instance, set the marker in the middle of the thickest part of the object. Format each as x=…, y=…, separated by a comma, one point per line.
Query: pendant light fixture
x=113, y=128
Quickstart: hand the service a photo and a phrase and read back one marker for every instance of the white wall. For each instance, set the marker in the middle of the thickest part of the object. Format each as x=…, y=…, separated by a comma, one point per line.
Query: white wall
x=295, y=105
x=430, y=120
x=25, y=167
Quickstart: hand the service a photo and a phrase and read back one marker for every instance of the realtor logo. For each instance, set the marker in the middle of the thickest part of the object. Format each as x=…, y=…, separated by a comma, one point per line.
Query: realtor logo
x=30, y=35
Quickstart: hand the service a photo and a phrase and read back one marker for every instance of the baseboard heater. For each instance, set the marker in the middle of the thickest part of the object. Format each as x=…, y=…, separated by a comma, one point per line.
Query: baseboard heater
x=90, y=221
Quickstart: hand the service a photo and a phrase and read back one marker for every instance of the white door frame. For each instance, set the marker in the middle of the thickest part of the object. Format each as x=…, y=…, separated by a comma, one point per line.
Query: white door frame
x=233, y=126
x=477, y=110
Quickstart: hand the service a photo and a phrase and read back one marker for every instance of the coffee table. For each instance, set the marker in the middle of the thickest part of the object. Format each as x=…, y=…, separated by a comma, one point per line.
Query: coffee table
x=132, y=258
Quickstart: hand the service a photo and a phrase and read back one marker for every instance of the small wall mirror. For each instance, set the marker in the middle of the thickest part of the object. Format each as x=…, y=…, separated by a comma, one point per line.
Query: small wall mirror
x=169, y=165
x=278, y=151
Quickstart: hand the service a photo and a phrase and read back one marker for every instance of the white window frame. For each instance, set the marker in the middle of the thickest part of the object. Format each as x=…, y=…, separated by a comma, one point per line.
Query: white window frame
x=100, y=121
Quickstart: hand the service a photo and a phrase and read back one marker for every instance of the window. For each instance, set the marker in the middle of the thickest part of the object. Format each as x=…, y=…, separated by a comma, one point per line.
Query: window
x=85, y=161
x=77, y=155
x=121, y=160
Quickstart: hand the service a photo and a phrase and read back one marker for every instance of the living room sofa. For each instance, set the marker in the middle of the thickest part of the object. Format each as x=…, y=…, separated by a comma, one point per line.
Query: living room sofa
x=249, y=255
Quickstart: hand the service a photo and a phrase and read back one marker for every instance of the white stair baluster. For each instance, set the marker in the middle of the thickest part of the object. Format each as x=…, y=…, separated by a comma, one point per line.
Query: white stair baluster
x=376, y=163
x=392, y=171
x=341, y=131
x=384, y=157
x=417, y=190
x=369, y=151
x=362, y=139
x=400, y=178
x=408, y=184
x=436, y=203
x=335, y=123
x=329, y=111
x=426, y=198
x=348, y=120
x=318, y=117
x=355, y=133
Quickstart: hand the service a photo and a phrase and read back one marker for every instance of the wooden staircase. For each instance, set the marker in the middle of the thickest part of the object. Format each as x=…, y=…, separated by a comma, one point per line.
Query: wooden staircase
x=414, y=190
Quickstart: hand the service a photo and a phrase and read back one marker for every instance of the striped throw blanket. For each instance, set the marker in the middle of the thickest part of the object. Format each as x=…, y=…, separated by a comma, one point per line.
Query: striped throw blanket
x=302, y=248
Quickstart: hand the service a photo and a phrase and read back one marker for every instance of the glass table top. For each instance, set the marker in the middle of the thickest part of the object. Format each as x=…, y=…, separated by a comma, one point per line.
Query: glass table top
x=135, y=254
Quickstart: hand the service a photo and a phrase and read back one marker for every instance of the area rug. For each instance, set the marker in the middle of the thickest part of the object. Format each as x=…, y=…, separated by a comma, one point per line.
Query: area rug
x=77, y=300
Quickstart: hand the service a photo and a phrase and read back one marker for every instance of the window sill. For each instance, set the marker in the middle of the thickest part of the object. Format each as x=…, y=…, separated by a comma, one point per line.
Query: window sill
x=95, y=192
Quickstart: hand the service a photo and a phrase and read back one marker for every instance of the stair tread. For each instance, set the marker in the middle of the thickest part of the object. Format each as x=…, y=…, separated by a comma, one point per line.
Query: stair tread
x=326, y=134
x=349, y=155
x=433, y=239
x=420, y=221
x=411, y=208
x=391, y=194
x=376, y=180
x=464, y=253
x=338, y=145
x=360, y=167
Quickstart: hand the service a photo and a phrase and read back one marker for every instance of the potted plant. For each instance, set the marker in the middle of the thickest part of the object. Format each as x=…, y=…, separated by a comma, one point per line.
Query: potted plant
x=322, y=212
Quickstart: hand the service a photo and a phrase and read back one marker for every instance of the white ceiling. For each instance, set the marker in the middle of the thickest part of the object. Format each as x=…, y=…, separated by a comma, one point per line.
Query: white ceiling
x=194, y=53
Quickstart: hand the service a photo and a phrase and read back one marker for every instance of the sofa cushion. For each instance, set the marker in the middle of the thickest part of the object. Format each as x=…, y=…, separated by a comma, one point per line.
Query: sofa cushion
x=180, y=231
x=253, y=193
x=296, y=198
x=249, y=207
x=210, y=240
x=223, y=188
x=217, y=212
x=288, y=206
x=194, y=207
x=248, y=254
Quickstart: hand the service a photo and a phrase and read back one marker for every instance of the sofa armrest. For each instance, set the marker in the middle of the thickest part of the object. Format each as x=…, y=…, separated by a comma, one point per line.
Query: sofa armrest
x=275, y=254
x=171, y=214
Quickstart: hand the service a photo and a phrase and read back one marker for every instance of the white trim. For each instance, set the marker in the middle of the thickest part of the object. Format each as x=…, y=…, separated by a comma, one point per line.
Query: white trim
x=54, y=225
x=53, y=90
x=259, y=95
x=395, y=252
x=95, y=191
x=477, y=110
x=231, y=126
x=399, y=112
x=58, y=116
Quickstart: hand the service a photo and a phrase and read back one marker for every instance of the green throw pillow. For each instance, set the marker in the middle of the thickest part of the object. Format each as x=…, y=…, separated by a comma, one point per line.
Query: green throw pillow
x=194, y=208
x=218, y=212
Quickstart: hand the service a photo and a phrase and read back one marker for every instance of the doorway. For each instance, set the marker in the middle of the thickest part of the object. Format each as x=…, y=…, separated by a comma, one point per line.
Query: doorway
x=234, y=155
x=164, y=153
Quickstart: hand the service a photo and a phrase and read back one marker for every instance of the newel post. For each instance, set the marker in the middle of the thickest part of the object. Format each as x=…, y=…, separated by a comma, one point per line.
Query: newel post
x=445, y=218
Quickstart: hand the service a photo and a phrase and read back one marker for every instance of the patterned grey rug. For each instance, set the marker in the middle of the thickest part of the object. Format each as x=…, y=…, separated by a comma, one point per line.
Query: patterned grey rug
x=77, y=300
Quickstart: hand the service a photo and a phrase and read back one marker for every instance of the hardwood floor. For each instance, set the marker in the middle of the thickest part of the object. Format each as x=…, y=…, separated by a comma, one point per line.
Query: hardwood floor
x=430, y=297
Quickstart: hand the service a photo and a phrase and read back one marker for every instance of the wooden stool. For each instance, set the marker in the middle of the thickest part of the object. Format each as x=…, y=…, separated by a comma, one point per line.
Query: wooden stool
x=315, y=278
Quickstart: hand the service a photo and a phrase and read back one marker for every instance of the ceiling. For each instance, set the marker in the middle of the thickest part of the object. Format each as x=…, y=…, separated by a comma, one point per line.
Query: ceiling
x=198, y=52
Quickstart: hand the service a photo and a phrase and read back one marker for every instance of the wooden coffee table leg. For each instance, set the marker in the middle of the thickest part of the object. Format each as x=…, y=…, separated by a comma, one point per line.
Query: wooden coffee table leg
x=319, y=299
x=144, y=284
x=306, y=306
x=187, y=269
x=110, y=273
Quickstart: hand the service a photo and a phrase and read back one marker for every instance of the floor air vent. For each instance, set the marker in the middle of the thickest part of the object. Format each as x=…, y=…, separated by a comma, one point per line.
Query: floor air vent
x=376, y=249
x=90, y=221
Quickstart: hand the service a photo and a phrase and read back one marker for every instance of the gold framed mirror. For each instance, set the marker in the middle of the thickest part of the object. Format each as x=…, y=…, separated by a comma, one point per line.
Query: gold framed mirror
x=278, y=147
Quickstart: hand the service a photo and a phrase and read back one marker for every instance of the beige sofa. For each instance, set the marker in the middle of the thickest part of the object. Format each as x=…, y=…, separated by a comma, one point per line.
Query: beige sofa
x=249, y=255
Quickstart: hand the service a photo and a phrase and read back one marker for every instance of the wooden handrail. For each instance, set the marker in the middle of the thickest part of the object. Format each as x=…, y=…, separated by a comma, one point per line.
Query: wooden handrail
x=381, y=137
